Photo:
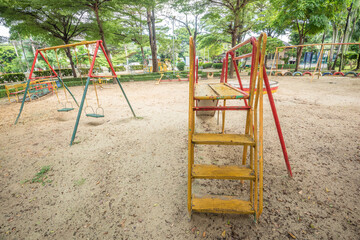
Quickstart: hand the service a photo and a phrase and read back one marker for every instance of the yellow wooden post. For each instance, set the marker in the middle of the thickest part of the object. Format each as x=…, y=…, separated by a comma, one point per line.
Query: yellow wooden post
x=317, y=63
x=321, y=57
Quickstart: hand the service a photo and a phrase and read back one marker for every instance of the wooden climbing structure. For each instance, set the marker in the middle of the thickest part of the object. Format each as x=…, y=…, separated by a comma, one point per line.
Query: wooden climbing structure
x=251, y=167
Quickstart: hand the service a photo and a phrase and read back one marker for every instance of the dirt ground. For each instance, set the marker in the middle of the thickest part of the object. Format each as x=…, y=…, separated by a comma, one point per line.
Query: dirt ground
x=126, y=178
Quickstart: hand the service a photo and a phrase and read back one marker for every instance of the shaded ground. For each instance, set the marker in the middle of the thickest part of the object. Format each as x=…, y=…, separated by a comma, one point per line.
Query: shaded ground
x=127, y=178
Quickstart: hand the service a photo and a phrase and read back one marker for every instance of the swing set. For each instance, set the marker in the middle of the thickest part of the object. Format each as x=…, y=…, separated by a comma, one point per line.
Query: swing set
x=67, y=106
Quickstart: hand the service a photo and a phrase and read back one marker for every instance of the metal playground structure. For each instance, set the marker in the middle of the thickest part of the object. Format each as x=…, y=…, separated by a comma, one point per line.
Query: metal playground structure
x=95, y=79
x=317, y=70
x=251, y=168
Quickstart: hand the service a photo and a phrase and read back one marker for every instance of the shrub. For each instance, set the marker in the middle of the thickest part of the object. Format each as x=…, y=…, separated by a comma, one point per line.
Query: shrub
x=217, y=65
x=118, y=69
x=136, y=67
x=64, y=72
x=12, y=77
x=181, y=66
x=207, y=65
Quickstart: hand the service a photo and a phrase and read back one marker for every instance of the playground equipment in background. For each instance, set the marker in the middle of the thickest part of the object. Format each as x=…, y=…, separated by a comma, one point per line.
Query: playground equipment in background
x=252, y=139
x=317, y=70
x=37, y=89
x=178, y=76
x=90, y=77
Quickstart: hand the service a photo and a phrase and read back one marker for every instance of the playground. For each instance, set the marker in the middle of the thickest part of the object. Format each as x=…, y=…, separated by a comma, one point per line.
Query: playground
x=127, y=176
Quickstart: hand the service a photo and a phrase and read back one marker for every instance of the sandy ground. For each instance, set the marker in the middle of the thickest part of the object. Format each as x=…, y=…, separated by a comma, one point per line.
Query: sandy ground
x=126, y=178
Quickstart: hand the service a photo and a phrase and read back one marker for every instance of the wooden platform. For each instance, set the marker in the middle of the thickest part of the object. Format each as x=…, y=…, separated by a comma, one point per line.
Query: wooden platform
x=223, y=139
x=221, y=204
x=222, y=172
x=216, y=91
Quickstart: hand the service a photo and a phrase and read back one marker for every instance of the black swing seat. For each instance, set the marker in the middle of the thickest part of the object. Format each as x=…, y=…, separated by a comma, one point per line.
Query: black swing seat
x=65, y=109
x=94, y=115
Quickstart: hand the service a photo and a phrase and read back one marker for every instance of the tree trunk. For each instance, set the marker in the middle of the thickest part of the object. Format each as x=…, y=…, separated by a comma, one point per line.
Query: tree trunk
x=358, y=63
x=299, y=52
x=151, y=25
x=143, y=55
x=335, y=36
x=102, y=35
x=344, y=38
x=68, y=54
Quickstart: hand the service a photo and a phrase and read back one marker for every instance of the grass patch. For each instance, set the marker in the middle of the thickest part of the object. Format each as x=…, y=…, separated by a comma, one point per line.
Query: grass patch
x=79, y=182
x=40, y=177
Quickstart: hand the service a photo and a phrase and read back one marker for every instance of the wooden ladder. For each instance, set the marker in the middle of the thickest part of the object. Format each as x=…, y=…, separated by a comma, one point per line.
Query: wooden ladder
x=251, y=139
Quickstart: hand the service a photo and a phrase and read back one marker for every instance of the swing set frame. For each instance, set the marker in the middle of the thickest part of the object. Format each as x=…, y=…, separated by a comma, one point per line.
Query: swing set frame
x=42, y=51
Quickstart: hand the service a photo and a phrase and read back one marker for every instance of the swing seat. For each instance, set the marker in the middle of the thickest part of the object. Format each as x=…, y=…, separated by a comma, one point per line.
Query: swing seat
x=94, y=115
x=65, y=109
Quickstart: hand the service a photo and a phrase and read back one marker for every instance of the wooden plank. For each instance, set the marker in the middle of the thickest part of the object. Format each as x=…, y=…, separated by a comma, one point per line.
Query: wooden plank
x=223, y=139
x=221, y=204
x=216, y=91
x=222, y=172
x=227, y=91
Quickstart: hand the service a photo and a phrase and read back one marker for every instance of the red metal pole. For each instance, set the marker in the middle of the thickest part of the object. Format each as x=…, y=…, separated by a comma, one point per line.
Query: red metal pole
x=277, y=123
x=48, y=64
x=94, y=58
x=107, y=58
x=226, y=66
x=33, y=65
x=238, y=75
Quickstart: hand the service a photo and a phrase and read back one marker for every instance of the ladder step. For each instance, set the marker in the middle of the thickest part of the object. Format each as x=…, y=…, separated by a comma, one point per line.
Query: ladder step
x=221, y=204
x=222, y=172
x=223, y=139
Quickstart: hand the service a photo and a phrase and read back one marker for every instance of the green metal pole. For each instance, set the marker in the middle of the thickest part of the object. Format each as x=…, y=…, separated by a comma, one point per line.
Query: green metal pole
x=80, y=111
x=68, y=90
x=118, y=81
x=23, y=100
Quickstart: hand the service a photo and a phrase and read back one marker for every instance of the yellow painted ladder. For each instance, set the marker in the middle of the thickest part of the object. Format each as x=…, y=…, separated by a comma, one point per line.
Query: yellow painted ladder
x=251, y=139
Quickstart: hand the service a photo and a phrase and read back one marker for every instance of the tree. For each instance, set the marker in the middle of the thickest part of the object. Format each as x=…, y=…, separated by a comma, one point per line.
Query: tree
x=237, y=20
x=51, y=21
x=306, y=17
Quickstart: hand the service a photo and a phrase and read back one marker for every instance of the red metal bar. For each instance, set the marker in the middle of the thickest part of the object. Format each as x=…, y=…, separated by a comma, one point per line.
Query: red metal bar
x=47, y=64
x=213, y=108
x=277, y=123
x=94, y=58
x=107, y=58
x=238, y=76
x=243, y=56
x=197, y=71
x=33, y=65
x=226, y=67
x=240, y=45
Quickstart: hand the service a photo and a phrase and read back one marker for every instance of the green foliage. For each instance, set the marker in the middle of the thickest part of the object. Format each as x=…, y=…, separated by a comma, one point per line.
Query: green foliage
x=136, y=67
x=217, y=65
x=118, y=68
x=181, y=66
x=12, y=77
x=40, y=177
x=207, y=65
x=64, y=72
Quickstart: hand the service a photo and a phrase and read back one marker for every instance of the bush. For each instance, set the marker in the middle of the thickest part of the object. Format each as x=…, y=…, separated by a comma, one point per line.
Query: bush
x=118, y=69
x=207, y=65
x=136, y=67
x=12, y=77
x=218, y=65
x=64, y=72
x=181, y=66
x=287, y=66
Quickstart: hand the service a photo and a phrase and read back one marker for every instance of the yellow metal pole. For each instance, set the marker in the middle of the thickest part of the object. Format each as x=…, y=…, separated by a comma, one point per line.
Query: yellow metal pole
x=191, y=120
x=271, y=69
x=261, y=100
x=223, y=118
x=57, y=59
x=69, y=45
